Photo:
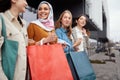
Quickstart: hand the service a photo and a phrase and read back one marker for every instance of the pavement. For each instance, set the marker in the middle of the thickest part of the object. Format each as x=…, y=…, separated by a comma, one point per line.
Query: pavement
x=108, y=71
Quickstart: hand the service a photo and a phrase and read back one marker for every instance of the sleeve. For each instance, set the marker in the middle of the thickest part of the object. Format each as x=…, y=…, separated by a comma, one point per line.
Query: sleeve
x=87, y=41
x=73, y=36
x=68, y=47
x=1, y=38
x=30, y=31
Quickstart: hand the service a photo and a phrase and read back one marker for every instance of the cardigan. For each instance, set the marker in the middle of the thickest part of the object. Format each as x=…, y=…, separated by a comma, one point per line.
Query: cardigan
x=37, y=33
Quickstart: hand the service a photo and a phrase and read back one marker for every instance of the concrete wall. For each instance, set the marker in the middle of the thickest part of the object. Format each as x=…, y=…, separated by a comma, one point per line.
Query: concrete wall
x=95, y=12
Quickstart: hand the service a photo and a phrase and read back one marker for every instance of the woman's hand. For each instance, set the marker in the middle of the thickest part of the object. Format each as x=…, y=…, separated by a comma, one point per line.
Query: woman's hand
x=84, y=31
x=31, y=42
x=77, y=42
x=64, y=45
x=51, y=38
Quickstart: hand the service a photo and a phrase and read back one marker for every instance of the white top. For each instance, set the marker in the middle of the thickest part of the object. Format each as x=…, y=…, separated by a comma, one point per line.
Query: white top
x=77, y=33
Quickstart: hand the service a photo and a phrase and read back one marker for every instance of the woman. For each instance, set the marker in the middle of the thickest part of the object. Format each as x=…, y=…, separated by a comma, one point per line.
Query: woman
x=41, y=31
x=79, y=32
x=16, y=31
x=63, y=31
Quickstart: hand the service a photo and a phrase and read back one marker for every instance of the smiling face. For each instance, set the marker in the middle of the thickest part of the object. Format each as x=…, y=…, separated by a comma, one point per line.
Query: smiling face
x=43, y=11
x=81, y=21
x=66, y=20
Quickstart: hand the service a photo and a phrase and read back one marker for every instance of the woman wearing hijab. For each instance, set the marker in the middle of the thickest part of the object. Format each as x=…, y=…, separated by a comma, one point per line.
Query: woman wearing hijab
x=46, y=65
x=41, y=31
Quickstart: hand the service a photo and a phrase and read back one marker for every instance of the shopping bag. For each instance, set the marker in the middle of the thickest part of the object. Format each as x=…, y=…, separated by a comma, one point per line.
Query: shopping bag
x=9, y=52
x=82, y=65
x=48, y=62
x=72, y=67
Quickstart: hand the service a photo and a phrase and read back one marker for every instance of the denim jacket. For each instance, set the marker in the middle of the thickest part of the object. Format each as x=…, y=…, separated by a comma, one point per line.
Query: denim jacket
x=62, y=34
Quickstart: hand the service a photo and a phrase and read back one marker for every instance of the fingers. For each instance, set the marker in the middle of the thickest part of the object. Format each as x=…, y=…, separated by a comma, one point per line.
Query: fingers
x=51, y=38
x=64, y=45
x=78, y=41
x=31, y=41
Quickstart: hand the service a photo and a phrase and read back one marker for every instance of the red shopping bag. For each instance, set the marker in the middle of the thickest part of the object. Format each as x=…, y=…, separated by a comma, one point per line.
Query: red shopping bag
x=48, y=62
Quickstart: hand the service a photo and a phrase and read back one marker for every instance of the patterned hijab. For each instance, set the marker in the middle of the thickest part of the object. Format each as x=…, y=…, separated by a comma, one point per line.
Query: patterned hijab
x=49, y=22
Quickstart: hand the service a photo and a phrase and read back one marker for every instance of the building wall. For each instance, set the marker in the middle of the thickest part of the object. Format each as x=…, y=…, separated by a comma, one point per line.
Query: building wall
x=105, y=5
x=94, y=10
x=99, y=14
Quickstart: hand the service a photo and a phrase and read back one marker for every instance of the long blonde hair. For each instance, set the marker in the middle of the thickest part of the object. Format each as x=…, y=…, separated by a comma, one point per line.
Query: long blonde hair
x=58, y=22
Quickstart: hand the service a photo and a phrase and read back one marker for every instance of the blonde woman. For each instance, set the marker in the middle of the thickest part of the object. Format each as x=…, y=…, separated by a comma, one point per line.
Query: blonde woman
x=64, y=30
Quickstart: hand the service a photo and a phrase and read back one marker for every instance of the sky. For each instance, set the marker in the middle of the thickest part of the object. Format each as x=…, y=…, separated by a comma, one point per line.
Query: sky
x=114, y=15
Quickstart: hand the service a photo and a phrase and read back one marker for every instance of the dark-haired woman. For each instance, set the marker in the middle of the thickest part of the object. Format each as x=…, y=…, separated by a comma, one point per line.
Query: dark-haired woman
x=16, y=31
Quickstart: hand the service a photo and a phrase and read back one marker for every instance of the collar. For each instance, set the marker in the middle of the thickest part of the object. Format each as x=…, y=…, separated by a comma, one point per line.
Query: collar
x=12, y=17
x=9, y=15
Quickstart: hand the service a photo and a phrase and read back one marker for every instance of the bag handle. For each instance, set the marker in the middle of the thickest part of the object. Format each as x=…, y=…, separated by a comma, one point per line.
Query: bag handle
x=3, y=27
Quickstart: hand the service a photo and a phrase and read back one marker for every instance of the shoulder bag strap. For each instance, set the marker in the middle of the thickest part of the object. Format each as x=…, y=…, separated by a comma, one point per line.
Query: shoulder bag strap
x=3, y=26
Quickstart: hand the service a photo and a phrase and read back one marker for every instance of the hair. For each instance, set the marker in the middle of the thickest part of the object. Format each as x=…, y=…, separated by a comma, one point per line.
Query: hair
x=88, y=32
x=74, y=22
x=58, y=23
x=5, y=5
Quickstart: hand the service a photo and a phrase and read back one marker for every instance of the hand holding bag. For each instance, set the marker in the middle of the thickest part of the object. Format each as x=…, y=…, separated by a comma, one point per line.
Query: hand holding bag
x=48, y=62
x=9, y=52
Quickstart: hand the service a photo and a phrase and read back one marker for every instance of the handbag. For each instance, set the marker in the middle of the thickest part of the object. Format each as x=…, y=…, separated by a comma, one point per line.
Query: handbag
x=48, y=62
x=9, y=52
x=82, y=65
